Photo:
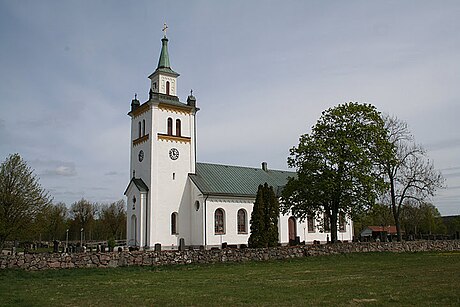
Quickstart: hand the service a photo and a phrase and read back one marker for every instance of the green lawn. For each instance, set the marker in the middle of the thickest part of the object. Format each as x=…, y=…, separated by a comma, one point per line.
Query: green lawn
x=418, y=279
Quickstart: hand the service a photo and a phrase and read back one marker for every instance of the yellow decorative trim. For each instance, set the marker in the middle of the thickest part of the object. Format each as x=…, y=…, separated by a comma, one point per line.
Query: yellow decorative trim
x=174, y=138
x=141, y=110
x=141, y=140
x=167, y=107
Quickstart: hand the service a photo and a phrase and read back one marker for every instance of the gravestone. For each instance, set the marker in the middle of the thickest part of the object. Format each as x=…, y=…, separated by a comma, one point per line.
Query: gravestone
x=55, y=246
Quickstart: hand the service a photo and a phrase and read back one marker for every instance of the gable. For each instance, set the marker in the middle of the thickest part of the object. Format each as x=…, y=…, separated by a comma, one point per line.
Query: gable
x=139, y=184
x=229, y=180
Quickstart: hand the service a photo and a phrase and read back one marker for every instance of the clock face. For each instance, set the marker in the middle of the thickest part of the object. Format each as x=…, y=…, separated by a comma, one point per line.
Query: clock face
x=174, y=154
x=141, y=155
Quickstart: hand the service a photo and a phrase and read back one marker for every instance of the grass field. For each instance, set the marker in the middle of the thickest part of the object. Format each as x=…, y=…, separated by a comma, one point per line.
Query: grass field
x=417, y=279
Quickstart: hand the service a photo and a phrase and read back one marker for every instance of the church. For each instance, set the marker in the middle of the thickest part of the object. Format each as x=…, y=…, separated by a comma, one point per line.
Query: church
x=172, y=198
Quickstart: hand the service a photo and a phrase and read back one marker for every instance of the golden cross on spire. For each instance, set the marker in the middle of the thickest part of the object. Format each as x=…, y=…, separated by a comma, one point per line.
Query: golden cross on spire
x=165, y=27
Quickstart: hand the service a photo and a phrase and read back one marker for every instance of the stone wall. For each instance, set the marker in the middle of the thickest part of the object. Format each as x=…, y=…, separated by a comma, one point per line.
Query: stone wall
x=151, y=258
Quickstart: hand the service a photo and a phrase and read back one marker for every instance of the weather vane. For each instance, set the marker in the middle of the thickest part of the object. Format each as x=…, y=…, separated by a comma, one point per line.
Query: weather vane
x=165, y=26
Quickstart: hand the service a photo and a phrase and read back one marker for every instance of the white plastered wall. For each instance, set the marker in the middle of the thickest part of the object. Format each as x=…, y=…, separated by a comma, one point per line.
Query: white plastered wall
x=170, y=190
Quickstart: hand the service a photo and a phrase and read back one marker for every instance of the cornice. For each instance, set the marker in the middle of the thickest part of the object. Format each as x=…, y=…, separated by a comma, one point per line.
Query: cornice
x=140, y=140
x=173, y=108
x=174, y=138
x=140, y=110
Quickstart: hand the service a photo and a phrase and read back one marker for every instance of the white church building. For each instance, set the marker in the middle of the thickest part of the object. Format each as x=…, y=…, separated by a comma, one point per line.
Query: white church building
x=171, y=196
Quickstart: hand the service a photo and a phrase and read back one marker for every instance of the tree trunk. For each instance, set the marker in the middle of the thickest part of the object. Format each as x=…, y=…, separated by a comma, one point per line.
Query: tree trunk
x=333, y=220
x=398, y=225
x=395, y=208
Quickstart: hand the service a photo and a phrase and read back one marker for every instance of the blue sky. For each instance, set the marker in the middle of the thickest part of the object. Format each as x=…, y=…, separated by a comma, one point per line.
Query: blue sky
x=262, y=72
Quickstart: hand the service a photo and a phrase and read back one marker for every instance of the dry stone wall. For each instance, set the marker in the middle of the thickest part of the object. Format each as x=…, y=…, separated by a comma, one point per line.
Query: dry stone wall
x=151, y=258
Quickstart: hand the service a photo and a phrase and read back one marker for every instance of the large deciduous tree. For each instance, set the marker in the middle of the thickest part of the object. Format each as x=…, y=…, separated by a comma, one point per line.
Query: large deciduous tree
x=411, y=176
x=336, y=165
x=113, y=218
x=421, y=218
x=21, y=197
x=53, y=222
x=83, y=213
x=264, y=218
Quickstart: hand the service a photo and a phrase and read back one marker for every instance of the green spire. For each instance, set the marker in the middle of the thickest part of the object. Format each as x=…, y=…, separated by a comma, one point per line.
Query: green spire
x=164, y=56
x=163, y=63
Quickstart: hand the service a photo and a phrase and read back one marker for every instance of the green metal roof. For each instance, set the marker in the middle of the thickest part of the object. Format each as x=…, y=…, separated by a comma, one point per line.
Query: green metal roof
x=229, y=180
x=163, y=62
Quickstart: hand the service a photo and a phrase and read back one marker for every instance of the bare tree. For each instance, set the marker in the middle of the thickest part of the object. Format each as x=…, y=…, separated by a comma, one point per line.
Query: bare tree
x=21, y=197
x=409, y=172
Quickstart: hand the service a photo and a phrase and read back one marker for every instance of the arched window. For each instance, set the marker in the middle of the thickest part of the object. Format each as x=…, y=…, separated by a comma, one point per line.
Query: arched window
x=197, y=205
x=170, y=126
x=174, y=223
x=311, y=223
x=139, y=126
x=292, y=229
x=167, y=87
x=143, y=127
x=219, y=225
x=178, y=132
x=242, y=225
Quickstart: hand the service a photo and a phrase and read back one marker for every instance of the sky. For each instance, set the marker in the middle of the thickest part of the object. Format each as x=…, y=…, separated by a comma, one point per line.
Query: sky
x=262, y=73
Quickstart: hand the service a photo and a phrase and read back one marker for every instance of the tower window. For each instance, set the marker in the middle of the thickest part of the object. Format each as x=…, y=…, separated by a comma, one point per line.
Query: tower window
x=242, y=228
x=174, y=223
x=178, y=125
x=219, y=225
x=170, y=126
x=143, y=127
x=167, y=87
x=139, y=125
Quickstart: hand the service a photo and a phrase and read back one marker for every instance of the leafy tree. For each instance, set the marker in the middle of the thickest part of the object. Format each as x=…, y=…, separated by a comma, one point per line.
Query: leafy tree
x=21, y=197
x=264, y=218
x=452, y=224
x=421, y=218
x=336, y=165
x=378, y=215
x=83, y=214
x=113, y=219
x=52, y=222
x=408, y=172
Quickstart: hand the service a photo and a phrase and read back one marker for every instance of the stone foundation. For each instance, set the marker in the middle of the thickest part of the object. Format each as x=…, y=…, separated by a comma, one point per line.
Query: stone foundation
x=152, y=258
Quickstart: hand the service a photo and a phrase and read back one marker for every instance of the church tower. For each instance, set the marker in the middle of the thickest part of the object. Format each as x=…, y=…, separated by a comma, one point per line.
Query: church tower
x=162, y=155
